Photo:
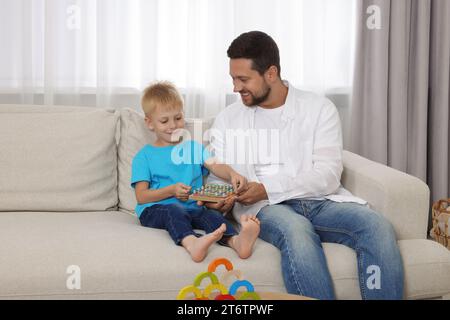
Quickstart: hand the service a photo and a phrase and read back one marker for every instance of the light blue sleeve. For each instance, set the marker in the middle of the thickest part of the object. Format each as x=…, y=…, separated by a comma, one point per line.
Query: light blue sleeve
x=205, y=156
x=201, y=154
x=140, y=170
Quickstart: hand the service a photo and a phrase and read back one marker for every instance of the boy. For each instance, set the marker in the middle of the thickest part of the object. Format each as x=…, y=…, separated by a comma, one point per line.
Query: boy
x=162, y=181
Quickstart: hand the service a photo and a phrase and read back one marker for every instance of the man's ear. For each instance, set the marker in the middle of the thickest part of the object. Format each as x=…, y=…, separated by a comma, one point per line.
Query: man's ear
x=271, y=74
x=148, y=122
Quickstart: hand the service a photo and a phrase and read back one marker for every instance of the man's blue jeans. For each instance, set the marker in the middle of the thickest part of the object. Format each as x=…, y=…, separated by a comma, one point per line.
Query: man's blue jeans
x=297, y=228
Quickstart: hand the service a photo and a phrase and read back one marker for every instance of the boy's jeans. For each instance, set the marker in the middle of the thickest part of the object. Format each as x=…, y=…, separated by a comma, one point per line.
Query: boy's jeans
x=297, y=228
x=180, y=221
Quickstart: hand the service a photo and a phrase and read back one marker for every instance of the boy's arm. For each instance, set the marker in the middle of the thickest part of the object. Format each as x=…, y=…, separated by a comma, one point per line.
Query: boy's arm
x=221, y=171
x=227, y=173
x=146, y=195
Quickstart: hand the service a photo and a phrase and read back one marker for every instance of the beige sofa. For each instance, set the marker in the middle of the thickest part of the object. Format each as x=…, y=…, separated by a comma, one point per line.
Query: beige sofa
x=67, y=228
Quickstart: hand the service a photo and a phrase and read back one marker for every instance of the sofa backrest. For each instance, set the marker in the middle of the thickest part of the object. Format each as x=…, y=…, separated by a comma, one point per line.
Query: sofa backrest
x=61, y=158
x=133, y=136
x=58, y=158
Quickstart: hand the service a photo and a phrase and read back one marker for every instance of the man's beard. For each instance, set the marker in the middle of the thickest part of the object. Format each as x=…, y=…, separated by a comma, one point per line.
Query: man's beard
x=259, y=99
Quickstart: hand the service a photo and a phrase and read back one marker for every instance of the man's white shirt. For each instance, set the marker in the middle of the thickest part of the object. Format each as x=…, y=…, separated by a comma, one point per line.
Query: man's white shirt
x=267, y=143
x=294, y=150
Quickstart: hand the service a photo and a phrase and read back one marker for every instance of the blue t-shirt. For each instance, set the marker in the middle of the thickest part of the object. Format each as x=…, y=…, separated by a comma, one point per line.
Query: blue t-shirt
x=164, y=166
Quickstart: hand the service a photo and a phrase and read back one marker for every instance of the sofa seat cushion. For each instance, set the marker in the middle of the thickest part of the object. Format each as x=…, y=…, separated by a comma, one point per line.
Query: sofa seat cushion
x=118, y=258
x=426, y=264
x=55, y=160
x=427, y=268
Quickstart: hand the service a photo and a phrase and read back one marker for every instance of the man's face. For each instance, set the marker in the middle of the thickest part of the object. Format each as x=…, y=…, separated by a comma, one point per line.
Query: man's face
x=252, y=87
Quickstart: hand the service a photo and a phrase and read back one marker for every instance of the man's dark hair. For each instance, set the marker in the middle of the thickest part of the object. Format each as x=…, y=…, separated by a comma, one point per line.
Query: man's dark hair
x=257, y=46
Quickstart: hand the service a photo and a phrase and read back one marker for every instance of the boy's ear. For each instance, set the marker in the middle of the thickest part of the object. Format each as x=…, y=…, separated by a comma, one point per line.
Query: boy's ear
x=148, y=122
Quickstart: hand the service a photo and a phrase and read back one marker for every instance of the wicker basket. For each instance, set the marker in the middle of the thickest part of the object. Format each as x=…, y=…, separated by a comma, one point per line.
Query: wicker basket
x=441, y=221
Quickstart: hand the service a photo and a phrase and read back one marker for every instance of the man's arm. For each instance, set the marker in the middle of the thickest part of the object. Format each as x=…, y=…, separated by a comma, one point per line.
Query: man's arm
x=325, y=175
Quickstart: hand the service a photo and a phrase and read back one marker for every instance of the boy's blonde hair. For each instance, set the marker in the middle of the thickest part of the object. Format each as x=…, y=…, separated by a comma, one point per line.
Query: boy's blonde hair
x=162, y=94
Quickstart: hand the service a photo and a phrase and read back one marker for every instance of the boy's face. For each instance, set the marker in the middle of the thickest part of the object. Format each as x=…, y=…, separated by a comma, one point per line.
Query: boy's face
x=166, y=124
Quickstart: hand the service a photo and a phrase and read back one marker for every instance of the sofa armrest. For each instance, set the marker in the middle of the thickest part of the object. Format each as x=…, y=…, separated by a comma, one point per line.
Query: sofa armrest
x=400, y=197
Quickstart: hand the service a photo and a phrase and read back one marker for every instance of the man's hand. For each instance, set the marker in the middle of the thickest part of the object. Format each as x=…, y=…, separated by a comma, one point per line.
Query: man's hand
x=255, y=192
x=223, y=206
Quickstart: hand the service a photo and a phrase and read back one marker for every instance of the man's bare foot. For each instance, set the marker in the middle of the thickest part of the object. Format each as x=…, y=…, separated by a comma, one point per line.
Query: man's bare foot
x=243, y=243
x=198, y=247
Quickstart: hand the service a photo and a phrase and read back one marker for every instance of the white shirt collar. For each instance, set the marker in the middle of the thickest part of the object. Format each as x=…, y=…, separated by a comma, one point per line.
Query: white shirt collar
x=289, y=109
x=288, y=112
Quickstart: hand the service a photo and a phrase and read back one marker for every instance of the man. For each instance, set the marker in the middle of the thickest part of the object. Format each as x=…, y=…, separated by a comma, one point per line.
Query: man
x=296, y=190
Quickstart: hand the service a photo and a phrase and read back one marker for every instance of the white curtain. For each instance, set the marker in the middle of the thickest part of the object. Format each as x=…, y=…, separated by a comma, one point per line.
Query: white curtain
x=104, y=52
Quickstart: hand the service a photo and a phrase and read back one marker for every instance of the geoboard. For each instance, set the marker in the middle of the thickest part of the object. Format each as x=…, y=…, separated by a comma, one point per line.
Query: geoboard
x=212, y=193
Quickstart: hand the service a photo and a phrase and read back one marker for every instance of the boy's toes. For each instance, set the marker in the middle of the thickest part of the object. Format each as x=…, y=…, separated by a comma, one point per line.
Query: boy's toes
x=255, y=219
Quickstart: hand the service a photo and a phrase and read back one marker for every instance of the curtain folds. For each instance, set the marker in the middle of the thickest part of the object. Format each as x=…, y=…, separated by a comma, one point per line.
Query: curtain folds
x=400, y=107
x=104, y=52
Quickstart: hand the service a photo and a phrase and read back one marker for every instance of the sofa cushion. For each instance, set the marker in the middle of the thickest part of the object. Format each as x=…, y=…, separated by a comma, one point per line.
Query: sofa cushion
x=118, y=258
x=58, y=159
x=427, y=265
x=425, y=262
x=133, y=136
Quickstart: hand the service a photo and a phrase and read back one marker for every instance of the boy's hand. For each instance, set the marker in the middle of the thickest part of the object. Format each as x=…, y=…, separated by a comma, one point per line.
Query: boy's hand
x=181, y=191
x=239, y=183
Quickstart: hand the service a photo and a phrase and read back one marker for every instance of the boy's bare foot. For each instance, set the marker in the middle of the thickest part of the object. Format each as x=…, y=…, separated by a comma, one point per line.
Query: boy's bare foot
x=198, y=247
x=243, y=243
